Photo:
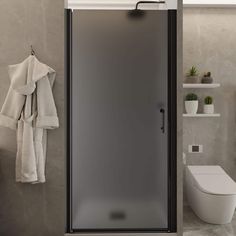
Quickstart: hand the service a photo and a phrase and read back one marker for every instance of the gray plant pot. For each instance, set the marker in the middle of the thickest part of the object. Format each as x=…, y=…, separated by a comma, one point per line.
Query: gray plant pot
x=208, y=108
x=207, y=80
x=192, y=80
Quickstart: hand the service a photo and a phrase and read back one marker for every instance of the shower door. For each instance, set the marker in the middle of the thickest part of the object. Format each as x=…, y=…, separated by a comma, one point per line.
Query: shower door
x=121, y=121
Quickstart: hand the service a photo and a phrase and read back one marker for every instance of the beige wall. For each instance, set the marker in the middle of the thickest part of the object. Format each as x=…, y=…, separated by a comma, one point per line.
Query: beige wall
x=35, y=210
x=210, y=44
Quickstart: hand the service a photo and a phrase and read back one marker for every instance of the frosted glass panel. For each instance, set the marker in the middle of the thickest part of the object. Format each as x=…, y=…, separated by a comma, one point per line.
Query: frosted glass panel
x=119, y=152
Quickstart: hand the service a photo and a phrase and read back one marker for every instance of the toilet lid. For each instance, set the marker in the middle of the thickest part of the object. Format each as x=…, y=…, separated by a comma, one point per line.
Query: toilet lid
x=206, y=170
x=220, y=184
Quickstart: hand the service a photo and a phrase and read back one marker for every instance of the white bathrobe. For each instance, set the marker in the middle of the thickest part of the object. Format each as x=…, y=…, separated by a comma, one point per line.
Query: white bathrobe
x=30, y=109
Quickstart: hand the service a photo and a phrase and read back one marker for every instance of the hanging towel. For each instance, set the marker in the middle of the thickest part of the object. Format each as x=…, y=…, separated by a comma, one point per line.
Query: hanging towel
x=29, y=108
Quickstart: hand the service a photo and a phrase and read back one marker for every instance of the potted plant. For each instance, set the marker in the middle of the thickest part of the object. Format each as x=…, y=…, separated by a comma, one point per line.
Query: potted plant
x=207, y=79
x=208, y=106
x=191, y=103
x=192, y=76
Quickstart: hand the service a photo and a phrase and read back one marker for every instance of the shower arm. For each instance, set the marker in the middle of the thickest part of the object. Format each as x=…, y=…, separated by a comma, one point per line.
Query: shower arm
x=148, y=2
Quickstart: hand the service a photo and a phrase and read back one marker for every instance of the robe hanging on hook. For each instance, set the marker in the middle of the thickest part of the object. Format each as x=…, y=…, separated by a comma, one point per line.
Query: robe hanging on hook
x=32, y=50
x=137, y=13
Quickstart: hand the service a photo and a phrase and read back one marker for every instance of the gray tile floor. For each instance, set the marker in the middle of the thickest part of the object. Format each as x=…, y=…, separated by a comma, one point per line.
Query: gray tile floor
x=193, y=226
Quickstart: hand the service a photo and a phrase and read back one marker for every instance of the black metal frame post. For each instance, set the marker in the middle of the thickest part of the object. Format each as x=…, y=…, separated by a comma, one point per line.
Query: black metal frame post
x=172, y=120
x=68, y=79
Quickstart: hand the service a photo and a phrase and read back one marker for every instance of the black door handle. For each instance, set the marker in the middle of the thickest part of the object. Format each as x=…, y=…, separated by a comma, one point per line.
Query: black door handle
x=162, y=110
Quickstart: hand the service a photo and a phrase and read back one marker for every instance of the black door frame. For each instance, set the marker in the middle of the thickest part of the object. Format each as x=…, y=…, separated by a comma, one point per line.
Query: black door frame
x=172, y=130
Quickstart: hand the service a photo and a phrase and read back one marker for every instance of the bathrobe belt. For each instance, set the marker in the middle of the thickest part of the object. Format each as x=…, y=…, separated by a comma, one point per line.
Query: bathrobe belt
x=30, y=118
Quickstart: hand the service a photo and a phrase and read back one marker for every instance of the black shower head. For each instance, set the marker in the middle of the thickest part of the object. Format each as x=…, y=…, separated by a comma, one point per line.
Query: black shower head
x=136, y=13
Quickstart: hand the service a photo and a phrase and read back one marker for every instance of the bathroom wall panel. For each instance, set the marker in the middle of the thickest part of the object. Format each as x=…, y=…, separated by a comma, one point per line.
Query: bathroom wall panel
x=25, y=209
x=39, y=210
x=209, y=37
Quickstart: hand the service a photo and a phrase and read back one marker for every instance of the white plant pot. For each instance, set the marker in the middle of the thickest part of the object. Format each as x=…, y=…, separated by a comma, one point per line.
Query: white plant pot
x=191, y=107
x=208, y=109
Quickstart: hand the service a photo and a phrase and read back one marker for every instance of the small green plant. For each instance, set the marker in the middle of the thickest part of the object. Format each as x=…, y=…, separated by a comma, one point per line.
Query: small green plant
x=207, y=74
x=191, y=97
x=192, y=71
x=208, y=100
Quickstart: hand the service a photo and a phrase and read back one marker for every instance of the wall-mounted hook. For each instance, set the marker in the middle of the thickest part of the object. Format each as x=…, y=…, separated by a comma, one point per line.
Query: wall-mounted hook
x=32, y=50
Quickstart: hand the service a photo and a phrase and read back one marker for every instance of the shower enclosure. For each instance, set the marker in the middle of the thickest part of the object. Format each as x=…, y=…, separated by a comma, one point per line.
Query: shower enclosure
x=121, y=117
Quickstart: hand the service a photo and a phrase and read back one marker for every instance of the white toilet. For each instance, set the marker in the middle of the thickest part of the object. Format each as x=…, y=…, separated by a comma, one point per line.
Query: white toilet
x=211, y=193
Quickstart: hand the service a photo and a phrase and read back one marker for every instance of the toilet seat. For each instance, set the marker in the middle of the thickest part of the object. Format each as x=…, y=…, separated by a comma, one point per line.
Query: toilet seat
x=212, y=180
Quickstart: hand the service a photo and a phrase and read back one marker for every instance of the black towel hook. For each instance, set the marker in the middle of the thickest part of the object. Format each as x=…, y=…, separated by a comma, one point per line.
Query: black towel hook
x=32, y=50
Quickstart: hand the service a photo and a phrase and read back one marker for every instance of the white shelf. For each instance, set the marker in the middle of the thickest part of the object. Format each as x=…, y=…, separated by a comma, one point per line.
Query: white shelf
x=209, y=3
x=201, y=115
x=201, y=85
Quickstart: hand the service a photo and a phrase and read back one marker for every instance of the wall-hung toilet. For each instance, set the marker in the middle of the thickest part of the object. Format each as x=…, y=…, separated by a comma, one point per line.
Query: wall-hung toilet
x=211, y=193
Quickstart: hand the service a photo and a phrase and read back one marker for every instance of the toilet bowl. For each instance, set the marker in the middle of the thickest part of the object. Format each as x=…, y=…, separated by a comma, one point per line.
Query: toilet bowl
x=211, y=193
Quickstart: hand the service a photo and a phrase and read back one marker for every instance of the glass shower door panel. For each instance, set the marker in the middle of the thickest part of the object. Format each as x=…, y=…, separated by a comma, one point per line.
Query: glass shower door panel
x=119, y=151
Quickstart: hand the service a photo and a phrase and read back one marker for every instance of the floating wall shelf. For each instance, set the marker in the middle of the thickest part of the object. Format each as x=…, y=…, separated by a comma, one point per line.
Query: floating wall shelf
x=209, y=3
x=201, y=115
x=201, y=85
